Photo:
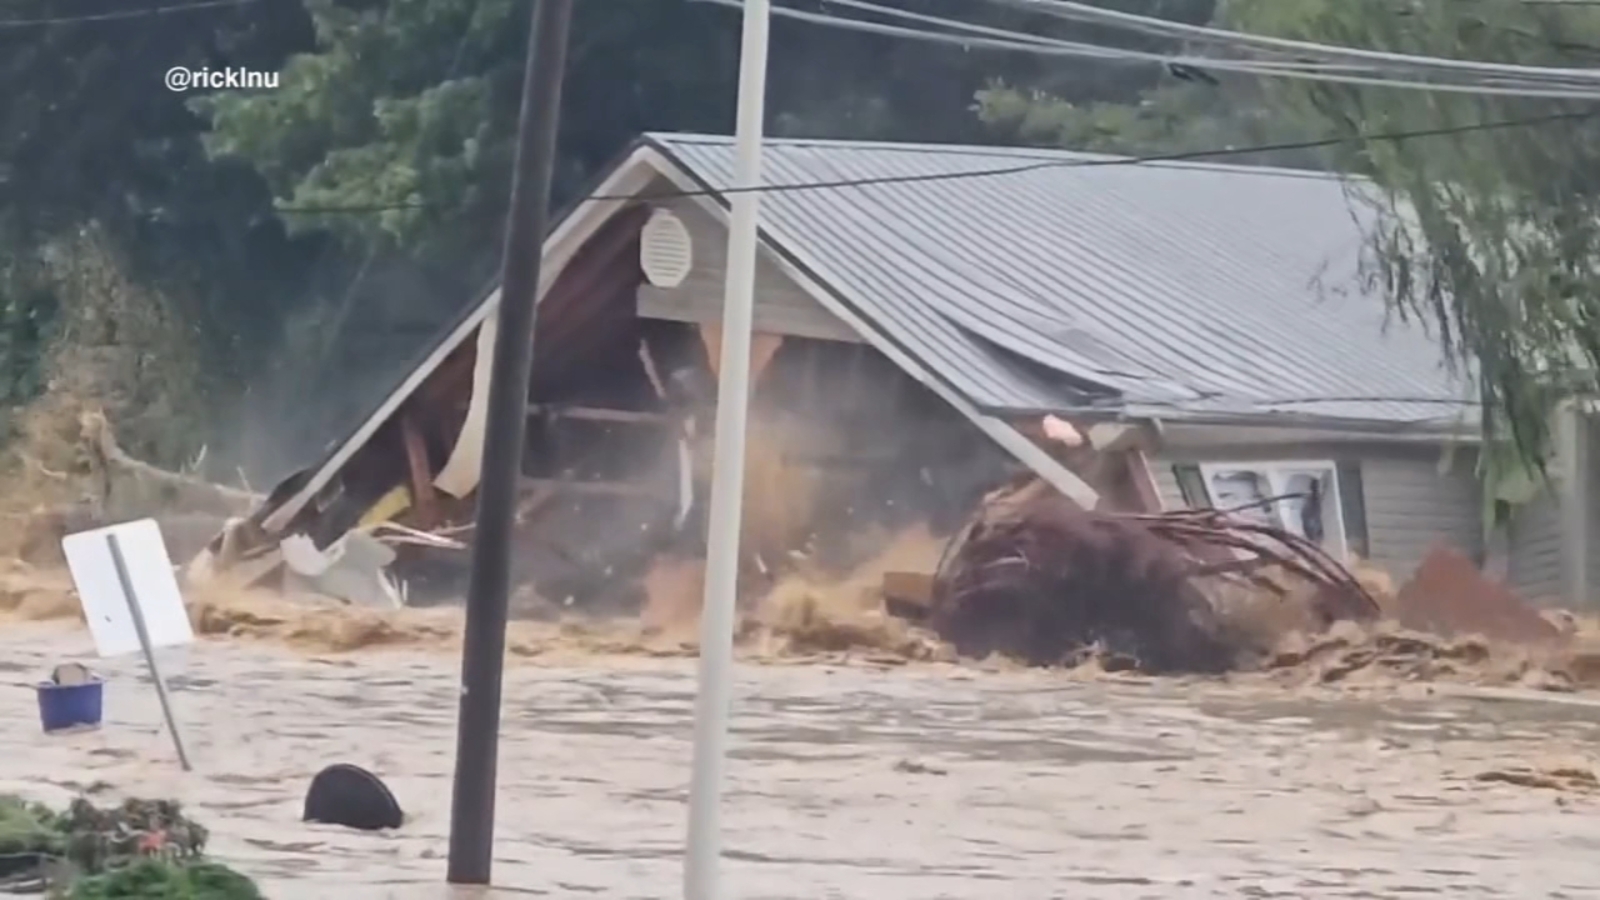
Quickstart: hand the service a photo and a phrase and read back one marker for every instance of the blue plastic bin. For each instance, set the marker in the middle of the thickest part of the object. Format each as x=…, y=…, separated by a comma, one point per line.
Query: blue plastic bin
x=63, y=706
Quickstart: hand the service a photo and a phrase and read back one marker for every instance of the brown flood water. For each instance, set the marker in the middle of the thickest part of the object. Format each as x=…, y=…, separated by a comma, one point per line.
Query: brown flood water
x=917, y=783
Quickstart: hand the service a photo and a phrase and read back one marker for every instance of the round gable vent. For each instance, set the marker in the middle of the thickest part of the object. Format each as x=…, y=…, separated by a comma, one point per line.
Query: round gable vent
x=666, y=252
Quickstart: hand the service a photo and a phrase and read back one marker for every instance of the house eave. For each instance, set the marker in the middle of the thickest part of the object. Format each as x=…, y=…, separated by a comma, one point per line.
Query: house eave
x=1236, y=430
x=1261, y=426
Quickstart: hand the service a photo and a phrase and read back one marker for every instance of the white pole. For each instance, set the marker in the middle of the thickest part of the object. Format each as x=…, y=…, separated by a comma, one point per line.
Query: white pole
x=717, y=618
x=136, y=612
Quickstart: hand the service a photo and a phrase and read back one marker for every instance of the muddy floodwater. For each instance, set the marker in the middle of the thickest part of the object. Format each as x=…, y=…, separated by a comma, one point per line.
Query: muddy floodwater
x=898, y=784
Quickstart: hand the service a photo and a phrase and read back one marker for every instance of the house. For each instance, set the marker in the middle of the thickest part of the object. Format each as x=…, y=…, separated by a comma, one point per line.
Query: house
x=1210, y=319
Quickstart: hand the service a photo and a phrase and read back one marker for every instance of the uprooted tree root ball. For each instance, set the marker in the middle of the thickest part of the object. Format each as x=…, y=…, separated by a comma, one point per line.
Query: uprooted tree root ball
x=1048, y=590
x=1036, y=578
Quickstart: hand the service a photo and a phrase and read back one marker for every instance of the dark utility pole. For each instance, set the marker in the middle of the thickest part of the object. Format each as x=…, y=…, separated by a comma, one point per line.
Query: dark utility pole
x=483, y=650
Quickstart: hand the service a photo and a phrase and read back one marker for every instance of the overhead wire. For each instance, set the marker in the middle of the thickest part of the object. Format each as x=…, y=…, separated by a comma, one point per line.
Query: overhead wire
x=980, y=33
x=1030, y=43
x=1525, y=84
x=1022, y=168
x=1117, y=161
x=123, y=14
x=1154, y=26
x=1115, y=54
x=1507, y=80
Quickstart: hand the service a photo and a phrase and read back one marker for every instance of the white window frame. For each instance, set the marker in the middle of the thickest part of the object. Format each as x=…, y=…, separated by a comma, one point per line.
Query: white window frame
x=1277, y=473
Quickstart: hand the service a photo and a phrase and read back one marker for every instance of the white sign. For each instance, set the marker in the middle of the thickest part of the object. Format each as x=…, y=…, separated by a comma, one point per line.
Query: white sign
x=150, y=575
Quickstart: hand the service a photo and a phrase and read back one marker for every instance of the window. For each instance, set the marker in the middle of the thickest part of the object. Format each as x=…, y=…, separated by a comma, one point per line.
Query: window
x=1191, y=486
x=1353, y=508
x=1310, y=492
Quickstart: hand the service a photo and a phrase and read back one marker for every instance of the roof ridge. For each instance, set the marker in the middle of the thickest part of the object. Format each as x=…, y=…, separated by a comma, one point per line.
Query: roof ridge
x=1043, y=154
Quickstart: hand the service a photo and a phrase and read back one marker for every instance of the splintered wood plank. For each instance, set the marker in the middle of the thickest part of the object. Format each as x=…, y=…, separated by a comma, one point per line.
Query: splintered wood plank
x=425, y=500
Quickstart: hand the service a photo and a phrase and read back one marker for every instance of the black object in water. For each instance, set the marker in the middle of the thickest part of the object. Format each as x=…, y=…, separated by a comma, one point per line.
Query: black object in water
x=343, y=794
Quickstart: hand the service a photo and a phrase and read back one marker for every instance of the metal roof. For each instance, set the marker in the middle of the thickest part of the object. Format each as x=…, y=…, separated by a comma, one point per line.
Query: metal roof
x=1181, y=290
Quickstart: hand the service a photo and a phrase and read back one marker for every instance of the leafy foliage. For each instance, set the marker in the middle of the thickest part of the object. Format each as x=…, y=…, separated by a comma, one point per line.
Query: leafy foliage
x=1171, y=118
x=395, y=109
x=92, y=143
x=138, y=849
x=151, y=879
x=28, y=833
x=1163, y=114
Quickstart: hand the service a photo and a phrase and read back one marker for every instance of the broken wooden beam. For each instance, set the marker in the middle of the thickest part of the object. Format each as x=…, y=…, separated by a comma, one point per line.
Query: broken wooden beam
x=115, y=469
x=422, y=491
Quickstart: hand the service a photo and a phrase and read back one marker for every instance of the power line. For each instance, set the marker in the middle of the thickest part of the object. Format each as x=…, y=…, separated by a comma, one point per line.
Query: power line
x=1290, y=60
x=1040, y=45
x=124, y=14
x=1022, y=168
x=1150, y=25
x=1114, y=54
x=1023, y=42
x=1182, y=156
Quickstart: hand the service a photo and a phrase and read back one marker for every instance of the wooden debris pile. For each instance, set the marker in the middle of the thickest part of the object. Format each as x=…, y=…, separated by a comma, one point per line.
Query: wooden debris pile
x=1037, y=578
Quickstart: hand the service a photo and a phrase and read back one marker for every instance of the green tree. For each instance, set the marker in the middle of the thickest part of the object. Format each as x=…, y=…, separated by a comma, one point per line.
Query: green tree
x=95, y=151
x=1148, y=111
x=1171, y=117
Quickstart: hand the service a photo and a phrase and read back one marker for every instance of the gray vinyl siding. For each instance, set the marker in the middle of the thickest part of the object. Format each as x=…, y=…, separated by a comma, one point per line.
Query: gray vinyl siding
x=1539, y=567
x=1591, y=456
x=1413, y=502
x=1409, y=502
x=781, y=306
x=1535, y=568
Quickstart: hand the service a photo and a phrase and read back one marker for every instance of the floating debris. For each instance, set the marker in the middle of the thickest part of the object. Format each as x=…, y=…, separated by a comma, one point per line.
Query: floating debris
x=1561, y=779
